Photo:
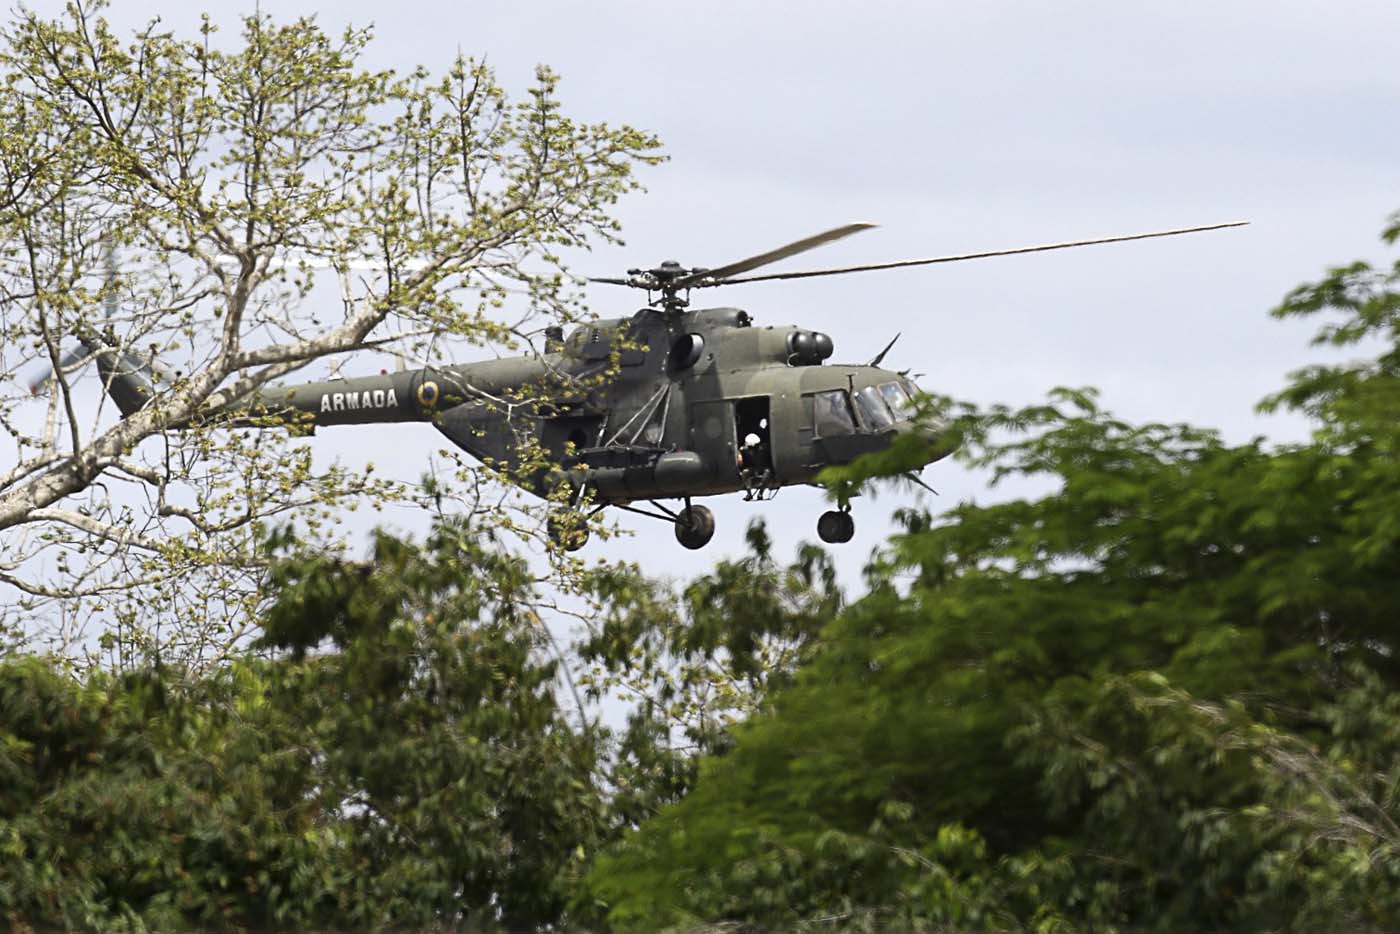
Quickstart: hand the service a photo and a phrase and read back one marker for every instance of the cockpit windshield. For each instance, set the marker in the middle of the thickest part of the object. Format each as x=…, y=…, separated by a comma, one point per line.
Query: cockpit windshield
x=898, y=400
x=873, y=411
x=832, y=412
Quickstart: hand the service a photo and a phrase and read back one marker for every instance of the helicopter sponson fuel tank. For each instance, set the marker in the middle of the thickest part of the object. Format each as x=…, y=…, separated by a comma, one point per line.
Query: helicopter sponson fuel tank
x=623, y=475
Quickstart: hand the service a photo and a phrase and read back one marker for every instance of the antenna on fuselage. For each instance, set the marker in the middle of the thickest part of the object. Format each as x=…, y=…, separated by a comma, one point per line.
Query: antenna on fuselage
x=880, y=357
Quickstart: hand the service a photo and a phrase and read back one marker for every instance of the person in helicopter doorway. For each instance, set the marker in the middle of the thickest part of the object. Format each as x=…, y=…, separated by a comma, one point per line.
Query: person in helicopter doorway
x=757, y=461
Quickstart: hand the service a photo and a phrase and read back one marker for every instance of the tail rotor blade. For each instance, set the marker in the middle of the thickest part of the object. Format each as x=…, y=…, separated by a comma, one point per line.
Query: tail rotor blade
x=121, y=363
x=109, y=305
x=69, y=360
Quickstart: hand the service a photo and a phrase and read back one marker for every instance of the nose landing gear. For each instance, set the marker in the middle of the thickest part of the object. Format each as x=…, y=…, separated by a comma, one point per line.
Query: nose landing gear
x=836, y=526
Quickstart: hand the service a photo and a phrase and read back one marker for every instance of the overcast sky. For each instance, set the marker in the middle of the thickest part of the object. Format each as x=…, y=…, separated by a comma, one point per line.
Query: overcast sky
x=962, y=127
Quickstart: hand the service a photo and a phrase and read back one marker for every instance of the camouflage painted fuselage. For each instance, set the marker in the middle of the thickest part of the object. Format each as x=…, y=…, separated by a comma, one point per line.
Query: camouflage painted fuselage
x=654, y=406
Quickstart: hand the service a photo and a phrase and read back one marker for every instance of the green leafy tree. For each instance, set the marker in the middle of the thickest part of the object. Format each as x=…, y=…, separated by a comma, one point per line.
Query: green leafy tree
x=1161, y=697
x=146, y=800
x=409, y=757
x=691, y=666
x=470, y=794
x=223, y=173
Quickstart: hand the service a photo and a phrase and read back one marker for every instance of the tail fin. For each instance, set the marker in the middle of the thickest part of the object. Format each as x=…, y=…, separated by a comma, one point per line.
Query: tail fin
x=127, y=380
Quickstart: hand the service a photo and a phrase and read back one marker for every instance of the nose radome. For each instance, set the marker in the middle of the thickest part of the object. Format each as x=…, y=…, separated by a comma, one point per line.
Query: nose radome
x=935, y=435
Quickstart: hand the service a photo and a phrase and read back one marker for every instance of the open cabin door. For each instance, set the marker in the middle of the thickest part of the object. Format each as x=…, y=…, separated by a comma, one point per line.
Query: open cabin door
x=753, y=429
x=735, y=435
x=712, y=437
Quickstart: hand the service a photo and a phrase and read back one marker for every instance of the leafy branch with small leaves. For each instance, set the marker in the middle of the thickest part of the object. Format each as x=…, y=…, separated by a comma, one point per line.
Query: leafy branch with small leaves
x=233, y=179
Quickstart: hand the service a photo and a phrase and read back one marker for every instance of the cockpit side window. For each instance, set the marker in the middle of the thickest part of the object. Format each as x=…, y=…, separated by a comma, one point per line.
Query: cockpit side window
x=898, y=400
x=832, y=414
x=873, y=412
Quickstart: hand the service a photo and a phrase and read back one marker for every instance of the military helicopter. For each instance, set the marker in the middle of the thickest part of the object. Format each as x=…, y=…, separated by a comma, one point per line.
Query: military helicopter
x=670, y=403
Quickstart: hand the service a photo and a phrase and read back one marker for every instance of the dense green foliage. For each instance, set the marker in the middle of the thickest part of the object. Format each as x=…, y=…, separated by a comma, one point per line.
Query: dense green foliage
x=698, y=665
x=417, y=769
x=399, y=749
x=1161, y=697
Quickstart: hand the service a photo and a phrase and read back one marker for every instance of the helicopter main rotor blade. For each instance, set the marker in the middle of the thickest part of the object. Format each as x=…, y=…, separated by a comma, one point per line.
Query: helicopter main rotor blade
x=772, y=256
x=963, y=256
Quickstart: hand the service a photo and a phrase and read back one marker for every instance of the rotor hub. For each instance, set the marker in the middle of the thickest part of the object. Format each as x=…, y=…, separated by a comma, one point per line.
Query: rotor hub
x=666, y=279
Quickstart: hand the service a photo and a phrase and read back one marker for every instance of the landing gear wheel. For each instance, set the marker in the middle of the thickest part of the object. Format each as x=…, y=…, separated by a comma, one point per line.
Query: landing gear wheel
x=567, y=530
x=695, y=526
x=836, y=527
